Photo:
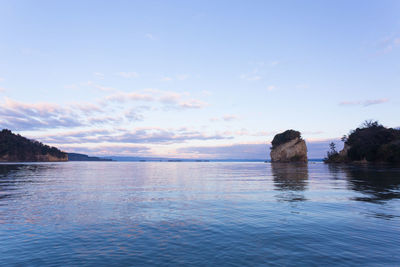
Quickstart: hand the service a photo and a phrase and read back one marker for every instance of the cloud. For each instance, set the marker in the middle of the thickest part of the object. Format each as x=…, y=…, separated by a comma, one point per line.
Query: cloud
x=27, y=117
x=182, y=77
x=316, y=150
x=274, y=63
x=110, y=150
x=214, y=119
x=133, y=96
x=19, y=116
x=70, y=86
x=375, y=102
x=365, y=103
x=192, y=104
x=104, y=88
x=170, y=97
x=302, y=86
x=138, y=136
x=259, y=71
x=150, y=36
x=1, y=79
x=179, y=77
x=133, y=115
x=163, y=136
x=104, y=120
x=22, y=116
x=89, y=84
x=99, y=75
x=166, y=79
x=271, y=88
x=128, y=74
x=230, y=117
x=250, y=77
x=245, y=132
x=86, y=108
x=389, y=44
x=234, y=151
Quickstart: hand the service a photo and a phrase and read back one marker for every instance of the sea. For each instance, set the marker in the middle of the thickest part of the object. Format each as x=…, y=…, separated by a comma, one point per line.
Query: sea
x=199, y=214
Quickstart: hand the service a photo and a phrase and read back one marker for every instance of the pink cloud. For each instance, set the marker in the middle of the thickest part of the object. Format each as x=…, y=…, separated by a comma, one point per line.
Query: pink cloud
x=365, y=103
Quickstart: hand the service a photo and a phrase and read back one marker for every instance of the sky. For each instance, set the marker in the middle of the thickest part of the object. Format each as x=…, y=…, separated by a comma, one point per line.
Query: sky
x=196, y=79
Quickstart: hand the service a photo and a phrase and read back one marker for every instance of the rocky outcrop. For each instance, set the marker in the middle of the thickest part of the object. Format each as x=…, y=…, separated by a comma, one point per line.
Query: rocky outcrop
x=288, y=147
x=33, y=158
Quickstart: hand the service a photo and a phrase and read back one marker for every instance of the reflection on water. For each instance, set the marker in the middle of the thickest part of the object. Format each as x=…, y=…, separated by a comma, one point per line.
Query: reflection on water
x=291, y=179
x=13, y=176
x=376, y=183
x=8, y=181
x=219, y=214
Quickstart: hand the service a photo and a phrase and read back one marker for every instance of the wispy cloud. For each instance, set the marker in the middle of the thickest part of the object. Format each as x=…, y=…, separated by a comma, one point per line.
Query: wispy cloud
x=131, y=74
x=150, y=36
x=235, y=151
x=179, y=77
x=38, y=116
x=22, y=116
x=137, y=136
x=169, y=98
x=182, y=77
x=89, y=84
x=250, y=77
x=99, y=75
x=364, y=103
x=260, y=69
x=389, y=43
x=193, y=104
x=274, y=63
x=104, y=88
x=132, y=96
x=302, y=86
x=110, y=150
x=167, y=79
x=228, y=117
x=271, y=88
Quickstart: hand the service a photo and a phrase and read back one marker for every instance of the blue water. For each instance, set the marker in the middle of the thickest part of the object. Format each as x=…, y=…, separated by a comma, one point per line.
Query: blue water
x=199, y=214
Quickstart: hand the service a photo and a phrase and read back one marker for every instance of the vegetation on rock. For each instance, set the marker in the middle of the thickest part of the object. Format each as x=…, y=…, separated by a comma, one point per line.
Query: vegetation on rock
x=371, y=142
x=284, y=137
x=14, y=147
x=333, y=156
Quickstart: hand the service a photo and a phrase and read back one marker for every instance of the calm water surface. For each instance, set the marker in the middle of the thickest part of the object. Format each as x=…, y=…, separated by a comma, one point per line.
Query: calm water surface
x=202, y=214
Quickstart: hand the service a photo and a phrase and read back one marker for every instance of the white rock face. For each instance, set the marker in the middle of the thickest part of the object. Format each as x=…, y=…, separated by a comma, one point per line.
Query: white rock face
x=294, y=150
x=345, y=150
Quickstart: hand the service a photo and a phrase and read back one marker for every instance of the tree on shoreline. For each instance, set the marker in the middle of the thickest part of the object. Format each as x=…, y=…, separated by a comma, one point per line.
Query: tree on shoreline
x=371, y=142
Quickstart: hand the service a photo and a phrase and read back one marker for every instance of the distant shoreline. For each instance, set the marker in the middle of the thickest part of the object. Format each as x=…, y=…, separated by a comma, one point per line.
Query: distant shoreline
x=154, y=160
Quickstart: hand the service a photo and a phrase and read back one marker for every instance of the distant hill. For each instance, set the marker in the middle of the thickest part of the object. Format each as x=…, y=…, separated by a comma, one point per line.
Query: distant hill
x=83, y=157
x=16, y=148
x=155, y=159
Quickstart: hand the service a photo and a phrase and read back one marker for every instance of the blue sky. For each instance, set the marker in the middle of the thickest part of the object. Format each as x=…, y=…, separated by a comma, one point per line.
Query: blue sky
x=198, y=79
